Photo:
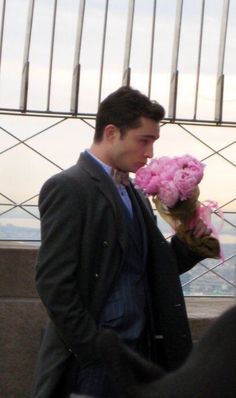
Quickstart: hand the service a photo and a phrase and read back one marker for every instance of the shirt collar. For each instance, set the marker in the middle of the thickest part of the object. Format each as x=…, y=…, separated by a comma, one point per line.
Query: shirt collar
x=106, y=167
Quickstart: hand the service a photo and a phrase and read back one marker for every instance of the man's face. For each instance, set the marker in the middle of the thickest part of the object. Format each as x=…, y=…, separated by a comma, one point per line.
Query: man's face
x=132, y=151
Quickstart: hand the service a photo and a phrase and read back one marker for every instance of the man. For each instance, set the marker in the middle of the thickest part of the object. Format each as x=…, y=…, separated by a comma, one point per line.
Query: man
x=103, y=263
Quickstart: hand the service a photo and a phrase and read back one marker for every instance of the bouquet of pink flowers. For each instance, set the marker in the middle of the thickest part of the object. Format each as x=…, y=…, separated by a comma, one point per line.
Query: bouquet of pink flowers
x=173, y=185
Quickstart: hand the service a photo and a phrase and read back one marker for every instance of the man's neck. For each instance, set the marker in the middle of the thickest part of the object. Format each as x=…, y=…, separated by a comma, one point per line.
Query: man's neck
x=97, y=151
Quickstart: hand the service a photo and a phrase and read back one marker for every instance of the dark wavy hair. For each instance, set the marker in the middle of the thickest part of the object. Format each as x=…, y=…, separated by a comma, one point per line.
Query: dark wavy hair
x=124, y=108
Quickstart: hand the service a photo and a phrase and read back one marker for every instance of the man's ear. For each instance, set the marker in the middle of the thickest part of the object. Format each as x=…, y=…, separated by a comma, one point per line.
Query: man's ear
x=111, y=132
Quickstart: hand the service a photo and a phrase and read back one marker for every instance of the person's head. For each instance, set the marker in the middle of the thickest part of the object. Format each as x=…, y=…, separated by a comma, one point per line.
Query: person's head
x=124, y=108
x=127, y=125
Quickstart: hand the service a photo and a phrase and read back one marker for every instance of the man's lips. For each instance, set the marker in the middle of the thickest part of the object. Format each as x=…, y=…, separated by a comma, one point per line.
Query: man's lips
x=140, y=164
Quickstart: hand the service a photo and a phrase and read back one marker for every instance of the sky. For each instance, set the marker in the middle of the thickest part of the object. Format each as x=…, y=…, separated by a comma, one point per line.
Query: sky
x=22, y=171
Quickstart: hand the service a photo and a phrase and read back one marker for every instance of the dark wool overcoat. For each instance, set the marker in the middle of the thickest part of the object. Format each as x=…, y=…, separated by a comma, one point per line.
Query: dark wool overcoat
x=84, y=241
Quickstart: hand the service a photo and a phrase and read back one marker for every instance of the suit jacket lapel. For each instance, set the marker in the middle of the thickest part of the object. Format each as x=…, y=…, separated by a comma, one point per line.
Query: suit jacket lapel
x=108, y=190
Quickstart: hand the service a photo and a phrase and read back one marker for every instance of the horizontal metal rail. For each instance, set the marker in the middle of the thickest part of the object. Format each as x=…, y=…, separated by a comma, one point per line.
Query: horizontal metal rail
x=92, y=116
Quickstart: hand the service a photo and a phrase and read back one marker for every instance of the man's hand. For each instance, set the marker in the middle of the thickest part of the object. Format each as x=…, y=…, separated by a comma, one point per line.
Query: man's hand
x=200, y=229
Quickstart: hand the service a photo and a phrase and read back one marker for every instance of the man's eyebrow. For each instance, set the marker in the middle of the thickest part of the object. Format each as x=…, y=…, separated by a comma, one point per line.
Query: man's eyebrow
x=151, y=136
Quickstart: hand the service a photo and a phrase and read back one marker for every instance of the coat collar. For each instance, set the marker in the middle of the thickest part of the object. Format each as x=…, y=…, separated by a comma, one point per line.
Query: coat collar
x=98, y=175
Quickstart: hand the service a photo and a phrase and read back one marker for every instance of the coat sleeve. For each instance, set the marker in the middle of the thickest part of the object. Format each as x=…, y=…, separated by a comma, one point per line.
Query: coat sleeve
x=186, y=258
x=57, y=267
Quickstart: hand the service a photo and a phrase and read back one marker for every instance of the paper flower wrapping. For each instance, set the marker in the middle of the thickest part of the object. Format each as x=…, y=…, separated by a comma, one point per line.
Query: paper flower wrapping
x=173, y=185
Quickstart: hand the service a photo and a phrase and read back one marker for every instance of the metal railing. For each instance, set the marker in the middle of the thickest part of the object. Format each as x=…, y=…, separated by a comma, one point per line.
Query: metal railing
x=80, y=37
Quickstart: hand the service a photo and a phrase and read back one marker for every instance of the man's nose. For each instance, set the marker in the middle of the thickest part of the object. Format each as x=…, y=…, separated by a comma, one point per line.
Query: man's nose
x=149, y=152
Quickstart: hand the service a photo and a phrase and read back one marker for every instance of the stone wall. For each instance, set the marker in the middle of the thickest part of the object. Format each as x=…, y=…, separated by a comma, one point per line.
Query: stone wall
x=22, y=318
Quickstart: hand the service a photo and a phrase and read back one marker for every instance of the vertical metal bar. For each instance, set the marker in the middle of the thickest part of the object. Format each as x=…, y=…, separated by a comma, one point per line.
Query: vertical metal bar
x=2, y=29
x=152, y=46
x=103, y=51
x=51, y=54
x=175, y=55
x=199, y=59
x=221, y=57
x=129, y=31
x=76, y=67
x=25, y=70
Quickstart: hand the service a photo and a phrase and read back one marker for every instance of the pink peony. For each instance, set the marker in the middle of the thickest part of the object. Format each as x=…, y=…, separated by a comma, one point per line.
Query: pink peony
x=170, y=179
x=142, y=177
x=153, y=185
x=192, y=165
x=185, y=183
x=168, y=193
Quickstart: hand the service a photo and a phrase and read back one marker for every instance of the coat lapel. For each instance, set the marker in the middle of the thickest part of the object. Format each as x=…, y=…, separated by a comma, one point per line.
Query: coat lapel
x=108, y=190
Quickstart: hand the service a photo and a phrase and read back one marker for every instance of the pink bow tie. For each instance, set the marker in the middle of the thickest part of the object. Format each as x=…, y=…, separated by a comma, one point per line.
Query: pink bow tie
x=120, y=177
